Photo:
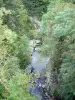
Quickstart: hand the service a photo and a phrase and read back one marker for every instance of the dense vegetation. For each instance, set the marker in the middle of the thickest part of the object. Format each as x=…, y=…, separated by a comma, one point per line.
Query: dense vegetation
x=15, y=32
x=58, y=35
x=36, y=8
x=58, y=42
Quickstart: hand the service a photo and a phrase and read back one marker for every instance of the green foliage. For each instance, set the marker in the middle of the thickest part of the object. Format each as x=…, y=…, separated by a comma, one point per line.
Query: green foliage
x=58, y=35
x=18, y=20
x=73, y=1
x=15, y=28
x=22, y=51
x=18, y=88
x=36, y=7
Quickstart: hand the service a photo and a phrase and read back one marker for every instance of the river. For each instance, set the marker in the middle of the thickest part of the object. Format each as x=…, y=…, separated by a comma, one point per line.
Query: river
x=38, y=63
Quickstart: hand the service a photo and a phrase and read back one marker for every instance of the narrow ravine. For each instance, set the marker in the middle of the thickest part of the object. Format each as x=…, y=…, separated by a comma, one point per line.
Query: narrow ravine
x=37, y=85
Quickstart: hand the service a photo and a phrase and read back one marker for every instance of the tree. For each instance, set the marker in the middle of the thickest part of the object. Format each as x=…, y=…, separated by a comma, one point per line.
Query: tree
x=58, y=42
x=13, y=47
x=19, y=21
x=36, y=7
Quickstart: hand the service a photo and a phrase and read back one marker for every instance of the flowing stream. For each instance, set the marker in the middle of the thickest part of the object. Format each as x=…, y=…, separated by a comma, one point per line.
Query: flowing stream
x=37, y=62
x=38, y=65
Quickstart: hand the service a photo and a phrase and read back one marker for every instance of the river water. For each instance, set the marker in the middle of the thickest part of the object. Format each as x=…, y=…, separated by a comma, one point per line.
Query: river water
x=38, y=63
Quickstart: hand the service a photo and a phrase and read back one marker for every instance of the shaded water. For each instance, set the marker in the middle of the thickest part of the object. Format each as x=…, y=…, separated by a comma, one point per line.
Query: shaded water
x=38, y=63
